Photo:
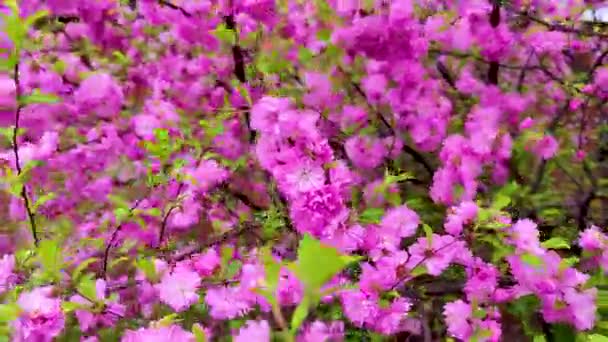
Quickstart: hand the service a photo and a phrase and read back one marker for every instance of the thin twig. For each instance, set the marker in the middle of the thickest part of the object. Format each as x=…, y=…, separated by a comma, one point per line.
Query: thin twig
x=211, y=242
x=560, y=27
x=24, y=195
x=106, y=254
x=175, y=7
x=238, y=59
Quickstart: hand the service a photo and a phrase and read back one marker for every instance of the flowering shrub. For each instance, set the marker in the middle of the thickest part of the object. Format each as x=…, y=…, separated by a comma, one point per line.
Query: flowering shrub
x=327, y=170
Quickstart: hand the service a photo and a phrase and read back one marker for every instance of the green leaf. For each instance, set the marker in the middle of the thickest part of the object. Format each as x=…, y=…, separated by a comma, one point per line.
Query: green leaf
x=121, y=214
x=596, y=338
x=501, y=201
x=390, y=179
x=199, y=334
x=556, y=243
x=317, y=263
x=81, y=267
x=15, y=30
x=324, y=35
x=418, y=271
x=300, y=314
x=49, y=256
x=37, y=97
x=12, y=4
x=121, y=57
x=146, y=265
x=568, y=262
x=87, y=287
x=226, y=255
x=118, y=201
x=602, y=299
x=168, y=320
x=371, y=215
x=153, y=212
x=72, y=306
x=532, y=260
x=43, y=199
x=232, y=269
x=539, y=338
x=225, y=34
x=428, y=233
x=272, y=270
x=9, y=312
x=503, y=197
x=305, y=55
x=35, y=17
x=563, y=333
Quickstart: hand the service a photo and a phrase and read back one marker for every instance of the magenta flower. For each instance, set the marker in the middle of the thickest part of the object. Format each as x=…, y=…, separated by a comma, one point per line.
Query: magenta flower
x=314, y=210
x=205, y=264
x=365, y=152
x=254, y=331
x=359, y=308
x=171, y=333
x=437, y=255
x=41, y=319
x=546, y=148
x=592, y=239
x=227, y=302
x=7, y=277
x=525, y=236
x=321, y=331
x=457, y=317
x=179, y=289
x=401, y=219
x=87, y=319
x=265, y=114
x=99, y=94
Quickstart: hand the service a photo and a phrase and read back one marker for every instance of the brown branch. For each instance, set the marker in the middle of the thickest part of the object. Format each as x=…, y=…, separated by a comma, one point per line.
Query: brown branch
x=494, y=21
x=212, y=242
x=445, y=74
x=175, y=7
x=560, y=27
x=238, y=59
x=598, y=62
x=106, y=253
x=522, y=74
x=24, y=195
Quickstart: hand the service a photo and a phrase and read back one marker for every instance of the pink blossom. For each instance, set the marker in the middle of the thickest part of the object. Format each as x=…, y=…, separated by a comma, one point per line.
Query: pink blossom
x=178, y=289
x=546, y=148
x=171, y=333
x=254, y=331
x=41, y=319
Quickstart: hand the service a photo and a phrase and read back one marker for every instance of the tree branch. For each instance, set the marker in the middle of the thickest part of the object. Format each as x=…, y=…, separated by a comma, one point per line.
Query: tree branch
x=560, y=27
x=106, y=253
x=238, y=59
x=494, y=21
x=24, y=195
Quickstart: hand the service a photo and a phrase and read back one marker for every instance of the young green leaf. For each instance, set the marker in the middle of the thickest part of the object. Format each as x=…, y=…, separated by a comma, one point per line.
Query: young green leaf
x=37, y=97
x=532, y=260
x=300, y=314
x=49, y=256
x=317, y=263
x=199, y=333
x=555, y=243
x=428, y=232
x=371, y=215
x=146, y=265
x=8, y=312
x=43, y=199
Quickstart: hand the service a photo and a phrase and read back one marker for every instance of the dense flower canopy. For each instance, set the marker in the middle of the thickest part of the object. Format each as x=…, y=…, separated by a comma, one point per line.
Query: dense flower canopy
x=303, y=170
